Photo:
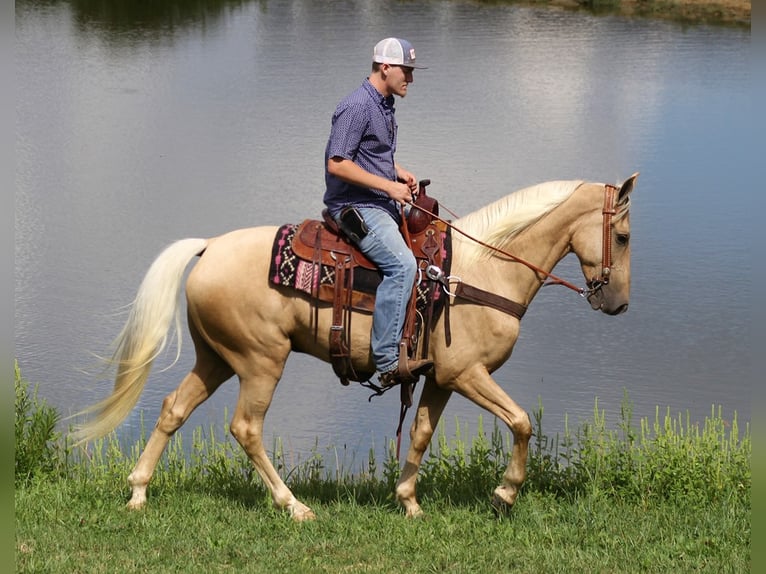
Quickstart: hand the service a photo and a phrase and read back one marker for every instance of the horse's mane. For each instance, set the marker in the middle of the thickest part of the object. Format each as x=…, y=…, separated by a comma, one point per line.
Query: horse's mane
x=505, y=218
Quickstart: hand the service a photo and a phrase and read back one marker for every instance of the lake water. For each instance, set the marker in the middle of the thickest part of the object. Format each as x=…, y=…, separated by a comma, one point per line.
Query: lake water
x=139, y=125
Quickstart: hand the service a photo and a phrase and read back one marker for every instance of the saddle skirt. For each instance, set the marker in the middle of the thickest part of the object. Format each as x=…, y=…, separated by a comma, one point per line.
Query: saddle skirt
x=305, y=257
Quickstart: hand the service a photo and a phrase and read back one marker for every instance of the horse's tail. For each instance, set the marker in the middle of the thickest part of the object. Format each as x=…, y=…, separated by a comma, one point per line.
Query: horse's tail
x=144, y=336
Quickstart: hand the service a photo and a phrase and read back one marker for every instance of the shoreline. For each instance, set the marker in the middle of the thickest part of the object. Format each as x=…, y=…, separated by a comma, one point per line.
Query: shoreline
x=712, y=12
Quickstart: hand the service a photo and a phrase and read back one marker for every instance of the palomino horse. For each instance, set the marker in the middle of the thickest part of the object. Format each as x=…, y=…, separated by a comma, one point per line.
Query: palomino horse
x=242, y=325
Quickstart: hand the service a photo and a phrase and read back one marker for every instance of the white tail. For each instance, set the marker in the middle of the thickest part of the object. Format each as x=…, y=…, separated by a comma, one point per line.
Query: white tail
x=143, y=338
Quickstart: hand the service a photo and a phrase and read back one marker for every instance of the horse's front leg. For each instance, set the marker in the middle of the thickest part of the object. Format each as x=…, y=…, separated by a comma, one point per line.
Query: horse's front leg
x=430, y=407
x=477, y=385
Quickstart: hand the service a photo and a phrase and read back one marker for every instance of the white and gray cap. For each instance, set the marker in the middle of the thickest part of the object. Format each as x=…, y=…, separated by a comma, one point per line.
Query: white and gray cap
x=396, y=52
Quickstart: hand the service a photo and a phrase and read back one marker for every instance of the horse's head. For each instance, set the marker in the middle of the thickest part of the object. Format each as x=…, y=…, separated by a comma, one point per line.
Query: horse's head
x=602, y=245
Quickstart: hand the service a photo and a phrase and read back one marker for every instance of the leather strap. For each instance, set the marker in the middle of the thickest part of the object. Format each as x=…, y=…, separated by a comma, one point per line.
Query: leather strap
x=609, y=210
x=482, y=297
x=340, y=354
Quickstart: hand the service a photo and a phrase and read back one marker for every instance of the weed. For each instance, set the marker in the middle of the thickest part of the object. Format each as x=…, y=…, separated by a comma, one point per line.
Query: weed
x=37, y=447
x=671, y=459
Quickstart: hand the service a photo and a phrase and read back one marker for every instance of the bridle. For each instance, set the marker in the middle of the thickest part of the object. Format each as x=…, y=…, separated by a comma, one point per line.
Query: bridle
x=593, y=285
x=608, y=211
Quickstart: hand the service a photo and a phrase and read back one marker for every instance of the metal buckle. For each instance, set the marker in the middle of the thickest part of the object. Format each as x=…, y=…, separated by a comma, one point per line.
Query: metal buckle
x=434, y=273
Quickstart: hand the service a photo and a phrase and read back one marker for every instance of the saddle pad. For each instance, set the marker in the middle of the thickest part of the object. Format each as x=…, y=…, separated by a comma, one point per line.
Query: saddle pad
x=288, y=270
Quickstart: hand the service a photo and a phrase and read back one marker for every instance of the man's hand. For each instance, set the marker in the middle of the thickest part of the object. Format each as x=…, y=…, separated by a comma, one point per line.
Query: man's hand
x=407, y=178
x=400, y=192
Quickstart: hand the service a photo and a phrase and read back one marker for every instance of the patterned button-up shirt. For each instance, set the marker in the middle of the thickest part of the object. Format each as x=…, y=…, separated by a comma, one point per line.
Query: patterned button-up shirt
x=363, y=131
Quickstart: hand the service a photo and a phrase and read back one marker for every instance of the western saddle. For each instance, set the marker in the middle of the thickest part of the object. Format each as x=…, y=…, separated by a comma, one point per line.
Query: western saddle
x=322, y=243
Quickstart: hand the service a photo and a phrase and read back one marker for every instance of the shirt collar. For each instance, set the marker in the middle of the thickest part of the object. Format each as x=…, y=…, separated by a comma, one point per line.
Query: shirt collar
x=383, y=101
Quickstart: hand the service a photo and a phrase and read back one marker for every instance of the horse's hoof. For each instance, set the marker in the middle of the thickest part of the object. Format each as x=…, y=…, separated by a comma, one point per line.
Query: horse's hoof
x=503, y=500
x=500, y=506
x=135, y=504
x=137, y=495
x=305, y=516
x=415, y=512
x=301, y=513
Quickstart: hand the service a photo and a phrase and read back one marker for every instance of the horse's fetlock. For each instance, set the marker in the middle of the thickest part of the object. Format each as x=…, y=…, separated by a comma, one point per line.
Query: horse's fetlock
x=403, y=493
x=138, y=479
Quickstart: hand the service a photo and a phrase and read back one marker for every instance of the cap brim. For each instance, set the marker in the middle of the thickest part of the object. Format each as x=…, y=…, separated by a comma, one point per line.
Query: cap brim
x=414, y=66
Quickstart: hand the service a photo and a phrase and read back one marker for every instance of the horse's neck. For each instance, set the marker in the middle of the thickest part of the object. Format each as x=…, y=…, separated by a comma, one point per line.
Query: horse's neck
x=542, y=245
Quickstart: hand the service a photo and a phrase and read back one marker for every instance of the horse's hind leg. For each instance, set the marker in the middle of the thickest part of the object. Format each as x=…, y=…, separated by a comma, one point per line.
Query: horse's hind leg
x=208, y=374
x=247, y=427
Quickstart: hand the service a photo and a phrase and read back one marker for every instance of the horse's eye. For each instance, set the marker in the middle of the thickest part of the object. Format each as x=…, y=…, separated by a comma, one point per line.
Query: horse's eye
x=622, y=238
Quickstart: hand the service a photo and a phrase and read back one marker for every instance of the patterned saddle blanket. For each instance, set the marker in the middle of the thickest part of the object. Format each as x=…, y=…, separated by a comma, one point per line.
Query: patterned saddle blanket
x=304, y=258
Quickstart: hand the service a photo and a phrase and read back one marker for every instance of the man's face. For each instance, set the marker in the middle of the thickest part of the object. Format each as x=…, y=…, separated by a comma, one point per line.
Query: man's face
x=398, y=78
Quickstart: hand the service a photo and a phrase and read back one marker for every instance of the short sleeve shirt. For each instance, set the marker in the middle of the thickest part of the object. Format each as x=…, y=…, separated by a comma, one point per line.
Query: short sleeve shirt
x=363, y=131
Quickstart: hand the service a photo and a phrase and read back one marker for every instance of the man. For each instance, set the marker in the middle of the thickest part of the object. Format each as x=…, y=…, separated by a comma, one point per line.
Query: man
x=365, y=191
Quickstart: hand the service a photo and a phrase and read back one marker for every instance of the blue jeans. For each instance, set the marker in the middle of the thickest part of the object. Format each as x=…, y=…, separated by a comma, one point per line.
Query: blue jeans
x=385, y=246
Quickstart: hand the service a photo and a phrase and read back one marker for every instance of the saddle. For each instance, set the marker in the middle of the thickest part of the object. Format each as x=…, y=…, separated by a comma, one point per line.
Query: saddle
x=340, y=274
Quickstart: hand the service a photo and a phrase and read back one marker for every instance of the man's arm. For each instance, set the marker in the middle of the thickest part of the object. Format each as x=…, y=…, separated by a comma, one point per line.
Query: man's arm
x=350, y=172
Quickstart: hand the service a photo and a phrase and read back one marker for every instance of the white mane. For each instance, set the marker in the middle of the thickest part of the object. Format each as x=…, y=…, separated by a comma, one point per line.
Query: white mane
x=502, y=220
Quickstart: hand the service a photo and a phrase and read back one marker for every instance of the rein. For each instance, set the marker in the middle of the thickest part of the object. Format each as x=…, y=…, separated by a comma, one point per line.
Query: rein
x=594, y=284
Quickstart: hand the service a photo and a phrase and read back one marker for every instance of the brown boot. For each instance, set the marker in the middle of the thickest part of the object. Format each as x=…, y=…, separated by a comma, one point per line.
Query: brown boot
x=408, y=371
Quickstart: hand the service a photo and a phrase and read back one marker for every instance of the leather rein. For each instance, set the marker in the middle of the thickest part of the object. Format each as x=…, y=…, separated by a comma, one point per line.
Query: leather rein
x=501, y=303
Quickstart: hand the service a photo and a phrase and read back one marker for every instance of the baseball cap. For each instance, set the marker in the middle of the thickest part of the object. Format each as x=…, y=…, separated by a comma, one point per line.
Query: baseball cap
x=396, y=52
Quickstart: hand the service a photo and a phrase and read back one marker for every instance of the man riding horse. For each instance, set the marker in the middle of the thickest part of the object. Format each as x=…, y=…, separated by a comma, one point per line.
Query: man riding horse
x=365, y=191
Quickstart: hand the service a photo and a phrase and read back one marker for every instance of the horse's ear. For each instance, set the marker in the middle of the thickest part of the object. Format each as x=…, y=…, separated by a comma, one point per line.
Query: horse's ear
x=626, y=188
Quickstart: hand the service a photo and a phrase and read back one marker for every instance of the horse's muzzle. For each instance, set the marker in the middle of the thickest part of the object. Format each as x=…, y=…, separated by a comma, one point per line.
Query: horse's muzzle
x=598, y=302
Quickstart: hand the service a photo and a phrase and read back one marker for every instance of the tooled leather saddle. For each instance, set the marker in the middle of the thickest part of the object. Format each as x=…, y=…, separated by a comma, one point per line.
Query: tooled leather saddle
x=317, y=258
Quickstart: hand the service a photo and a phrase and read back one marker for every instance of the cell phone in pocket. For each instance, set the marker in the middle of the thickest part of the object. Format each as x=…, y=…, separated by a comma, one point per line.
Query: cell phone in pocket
x=352, y=223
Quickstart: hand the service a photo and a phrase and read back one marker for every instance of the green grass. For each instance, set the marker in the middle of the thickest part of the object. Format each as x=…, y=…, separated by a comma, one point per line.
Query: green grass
x=66, y=528
x=667, y=495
